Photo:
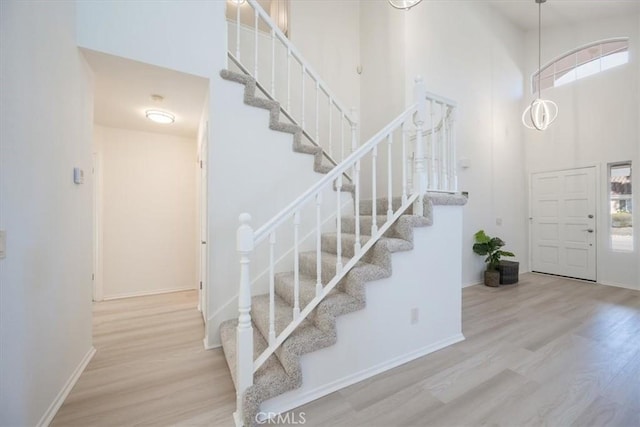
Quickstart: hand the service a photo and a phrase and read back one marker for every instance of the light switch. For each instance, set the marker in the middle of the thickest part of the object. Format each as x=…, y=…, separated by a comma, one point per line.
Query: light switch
x=3, y=244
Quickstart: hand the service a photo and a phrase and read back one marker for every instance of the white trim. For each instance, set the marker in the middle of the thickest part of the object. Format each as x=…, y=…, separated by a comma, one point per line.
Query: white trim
x=208, y=345
x=311, y=395
x=51, y=412
x=146, y=293
x=619, y=285
x=468, y=285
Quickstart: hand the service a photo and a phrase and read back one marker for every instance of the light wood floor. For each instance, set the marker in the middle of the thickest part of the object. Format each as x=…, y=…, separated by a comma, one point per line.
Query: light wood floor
x=548, y=351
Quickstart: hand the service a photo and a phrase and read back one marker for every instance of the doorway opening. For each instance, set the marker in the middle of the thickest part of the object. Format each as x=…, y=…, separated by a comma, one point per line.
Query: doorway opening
x=149, y=181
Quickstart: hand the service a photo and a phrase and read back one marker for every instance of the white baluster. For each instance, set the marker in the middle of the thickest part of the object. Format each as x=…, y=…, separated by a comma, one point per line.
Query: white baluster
x=420, y=180
x=339, y=224
x=342, y=135
x=356, y=182
x=318, y=245
x=374, y=219
x=441, y=148
x=244, y=332
x=296, y=266
x=404, y=162
x=330, y=133
x=432, y=161
x=454, y=158
x=289, y=79
x=354, y=130
x=317, y=112
x=389, y=179
x=255, y=65
x=272, y=289
x=238, y=32
x=304, y=71
x=273, y=63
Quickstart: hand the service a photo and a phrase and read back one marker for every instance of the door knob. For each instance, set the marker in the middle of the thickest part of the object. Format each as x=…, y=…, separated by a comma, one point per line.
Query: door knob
x=589, y=230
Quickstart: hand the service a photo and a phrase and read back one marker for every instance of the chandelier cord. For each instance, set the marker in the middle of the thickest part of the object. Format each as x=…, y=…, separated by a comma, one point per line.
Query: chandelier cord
x=539, y=45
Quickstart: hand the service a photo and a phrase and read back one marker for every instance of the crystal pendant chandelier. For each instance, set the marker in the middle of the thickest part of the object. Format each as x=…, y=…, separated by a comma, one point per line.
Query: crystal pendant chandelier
x=542, y=112
x=404, y=4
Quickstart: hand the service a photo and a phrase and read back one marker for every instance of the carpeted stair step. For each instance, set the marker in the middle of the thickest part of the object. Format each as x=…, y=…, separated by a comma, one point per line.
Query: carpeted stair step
x=270, y=371
x=382, y=205
x=284, y=285
x=306, y=338
x=328, y=262
x=334, y=304
x=364, y=269
x=330, y=243
x=349, y=224
x=275, y=122
x=270, y=380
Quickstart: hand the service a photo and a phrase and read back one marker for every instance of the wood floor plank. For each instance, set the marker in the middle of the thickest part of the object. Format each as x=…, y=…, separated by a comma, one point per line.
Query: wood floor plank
x=548, y=351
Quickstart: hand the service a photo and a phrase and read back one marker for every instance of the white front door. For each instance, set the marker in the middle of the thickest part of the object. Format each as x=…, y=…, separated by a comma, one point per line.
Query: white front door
x=563, y=223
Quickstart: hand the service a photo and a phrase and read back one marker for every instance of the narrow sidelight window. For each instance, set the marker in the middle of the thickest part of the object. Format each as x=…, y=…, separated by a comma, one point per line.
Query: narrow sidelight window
x=621, y=206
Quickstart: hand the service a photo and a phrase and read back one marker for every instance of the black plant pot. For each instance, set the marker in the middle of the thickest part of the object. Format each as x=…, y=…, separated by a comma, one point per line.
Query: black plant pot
x=509, y=272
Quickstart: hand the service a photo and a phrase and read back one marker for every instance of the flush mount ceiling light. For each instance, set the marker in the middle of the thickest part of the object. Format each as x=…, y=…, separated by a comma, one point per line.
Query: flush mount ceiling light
x=157, y=115
x=542, y=112
x=160, y=116
x=404, y=4
x=238, y=2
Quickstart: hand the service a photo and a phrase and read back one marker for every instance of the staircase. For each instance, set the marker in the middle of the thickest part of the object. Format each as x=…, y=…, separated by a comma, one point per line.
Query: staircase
x=336, y=248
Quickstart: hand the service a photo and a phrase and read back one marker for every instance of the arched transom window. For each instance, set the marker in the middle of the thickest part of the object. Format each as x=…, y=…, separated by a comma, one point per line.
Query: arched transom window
x=582, y=62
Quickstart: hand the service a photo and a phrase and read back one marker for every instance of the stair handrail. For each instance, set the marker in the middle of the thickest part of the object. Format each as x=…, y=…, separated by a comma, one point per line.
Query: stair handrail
x=247, y=239
x=292, y=52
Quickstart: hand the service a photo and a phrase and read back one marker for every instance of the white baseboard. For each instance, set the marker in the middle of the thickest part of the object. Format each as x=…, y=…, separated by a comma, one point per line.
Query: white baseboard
x=466, y=285
x=145, y=293
x=280, y=407
x=62, y=395
x=208, y=345
x=619, y=285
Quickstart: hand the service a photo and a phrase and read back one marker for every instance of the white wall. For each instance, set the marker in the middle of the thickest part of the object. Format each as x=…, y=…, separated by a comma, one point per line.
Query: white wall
x=425, y=279
x=470, y=54
x=328, y=36
x=149, y=228
x=255, y=171
x=45, y=290
x=597, y=124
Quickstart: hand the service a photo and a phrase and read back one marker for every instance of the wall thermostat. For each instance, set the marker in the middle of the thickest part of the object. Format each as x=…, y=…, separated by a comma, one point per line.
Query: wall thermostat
x=78, y=176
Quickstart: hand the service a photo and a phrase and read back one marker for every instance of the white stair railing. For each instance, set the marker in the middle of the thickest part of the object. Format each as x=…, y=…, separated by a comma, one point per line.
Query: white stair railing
x=374, y=171
x=259, y=48
x=440, y=153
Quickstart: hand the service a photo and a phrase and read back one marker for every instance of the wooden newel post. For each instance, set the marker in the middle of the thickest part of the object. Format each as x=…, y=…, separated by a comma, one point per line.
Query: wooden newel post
x=420, y=171
x=244, y=333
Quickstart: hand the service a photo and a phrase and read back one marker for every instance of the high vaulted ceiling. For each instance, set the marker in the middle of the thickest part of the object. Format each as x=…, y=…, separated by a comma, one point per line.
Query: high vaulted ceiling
x=524, y=13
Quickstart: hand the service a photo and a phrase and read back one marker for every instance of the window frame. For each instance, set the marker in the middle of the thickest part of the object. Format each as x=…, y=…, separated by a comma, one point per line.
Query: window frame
x=556, y=75
x=610, y=199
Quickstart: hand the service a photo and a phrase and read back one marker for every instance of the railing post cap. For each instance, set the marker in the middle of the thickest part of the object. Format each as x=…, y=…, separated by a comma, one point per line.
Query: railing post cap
x=244, y=218
x=419, y=79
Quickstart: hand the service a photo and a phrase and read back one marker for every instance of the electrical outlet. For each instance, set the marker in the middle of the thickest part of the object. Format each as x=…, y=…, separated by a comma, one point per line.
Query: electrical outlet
x=498, y=221
x=415, y=315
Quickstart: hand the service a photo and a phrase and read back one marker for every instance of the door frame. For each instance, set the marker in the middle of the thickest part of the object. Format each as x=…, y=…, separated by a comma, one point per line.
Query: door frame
x=203, y=223
x=599, y=209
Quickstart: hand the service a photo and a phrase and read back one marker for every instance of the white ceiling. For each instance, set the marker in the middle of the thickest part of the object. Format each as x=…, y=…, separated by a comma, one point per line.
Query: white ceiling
x=524, y=13
x=123, y=90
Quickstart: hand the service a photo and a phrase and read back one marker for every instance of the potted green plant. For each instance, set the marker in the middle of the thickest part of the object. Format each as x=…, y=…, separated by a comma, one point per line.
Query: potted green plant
x=490, y=246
